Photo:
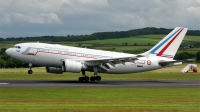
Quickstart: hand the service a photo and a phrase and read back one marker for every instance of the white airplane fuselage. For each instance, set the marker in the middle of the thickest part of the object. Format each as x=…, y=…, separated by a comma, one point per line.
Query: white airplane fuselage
x=43, y=54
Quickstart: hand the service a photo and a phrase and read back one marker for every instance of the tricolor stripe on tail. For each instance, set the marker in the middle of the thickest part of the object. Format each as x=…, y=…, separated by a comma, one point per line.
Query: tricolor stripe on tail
x=168, y=46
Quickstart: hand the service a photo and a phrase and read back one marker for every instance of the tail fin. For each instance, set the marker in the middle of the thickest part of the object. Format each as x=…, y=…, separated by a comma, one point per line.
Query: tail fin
x=169, y=45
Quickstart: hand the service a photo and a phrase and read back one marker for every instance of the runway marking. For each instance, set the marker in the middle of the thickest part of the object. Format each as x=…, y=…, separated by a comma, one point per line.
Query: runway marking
x=4, y=83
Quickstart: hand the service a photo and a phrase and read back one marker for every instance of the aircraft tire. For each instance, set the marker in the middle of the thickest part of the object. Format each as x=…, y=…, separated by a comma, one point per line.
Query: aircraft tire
x=86, y=79
x=82, y=79
x=98, y=78
x=92, y=78
x=30, y=71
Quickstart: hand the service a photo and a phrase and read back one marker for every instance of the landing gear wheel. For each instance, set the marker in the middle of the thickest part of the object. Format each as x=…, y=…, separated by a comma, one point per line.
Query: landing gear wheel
x=98, y=78
x=92, y=78
x=82, y=79
x=86, y=79
x=95, y=77
x=30, y=71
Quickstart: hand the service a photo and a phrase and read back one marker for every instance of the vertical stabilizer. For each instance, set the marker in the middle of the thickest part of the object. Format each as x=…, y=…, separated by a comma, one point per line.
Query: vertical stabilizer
x=169, y=45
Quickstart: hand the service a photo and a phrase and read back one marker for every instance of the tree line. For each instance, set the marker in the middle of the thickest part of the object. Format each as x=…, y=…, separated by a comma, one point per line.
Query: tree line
x=99, y=35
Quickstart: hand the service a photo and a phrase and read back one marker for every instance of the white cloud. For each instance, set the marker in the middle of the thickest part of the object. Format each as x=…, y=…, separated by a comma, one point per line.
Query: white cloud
x=63, y=17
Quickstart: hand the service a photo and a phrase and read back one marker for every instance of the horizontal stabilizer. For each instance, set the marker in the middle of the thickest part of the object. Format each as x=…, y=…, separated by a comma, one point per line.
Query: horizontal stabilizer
x=173, y=62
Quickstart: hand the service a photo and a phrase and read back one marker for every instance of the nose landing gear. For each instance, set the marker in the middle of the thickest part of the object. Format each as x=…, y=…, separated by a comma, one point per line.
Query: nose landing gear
x=30, y=71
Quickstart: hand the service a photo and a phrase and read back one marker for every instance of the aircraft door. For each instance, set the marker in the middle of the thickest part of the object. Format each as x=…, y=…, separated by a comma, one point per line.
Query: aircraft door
x=32, y=50
x=32, y=58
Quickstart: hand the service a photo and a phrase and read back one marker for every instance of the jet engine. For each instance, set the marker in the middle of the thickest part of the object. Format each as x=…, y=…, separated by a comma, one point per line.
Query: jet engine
x=72, y=66
x=54, y=70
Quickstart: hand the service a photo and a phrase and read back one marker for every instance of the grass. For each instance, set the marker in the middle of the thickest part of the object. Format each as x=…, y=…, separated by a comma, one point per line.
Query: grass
x=99, y=100
x=169, y=73
x=142, y=39
x=74, y=76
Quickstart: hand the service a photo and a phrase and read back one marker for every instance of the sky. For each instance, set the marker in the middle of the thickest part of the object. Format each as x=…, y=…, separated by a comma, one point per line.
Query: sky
x=22, y=18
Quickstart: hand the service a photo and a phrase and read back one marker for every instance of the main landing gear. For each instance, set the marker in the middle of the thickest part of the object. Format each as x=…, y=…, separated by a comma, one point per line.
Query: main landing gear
x=85, y=78
x=30, y=71
x=95, y=77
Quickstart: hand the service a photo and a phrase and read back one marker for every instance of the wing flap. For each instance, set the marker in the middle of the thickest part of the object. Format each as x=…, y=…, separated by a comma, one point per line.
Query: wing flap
x=112, y=61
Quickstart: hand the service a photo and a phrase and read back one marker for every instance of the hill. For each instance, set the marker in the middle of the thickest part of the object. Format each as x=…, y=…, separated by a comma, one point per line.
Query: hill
x=100, y=35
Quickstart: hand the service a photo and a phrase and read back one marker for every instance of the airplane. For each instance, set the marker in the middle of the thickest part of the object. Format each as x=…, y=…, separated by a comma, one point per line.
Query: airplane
x=58, y=58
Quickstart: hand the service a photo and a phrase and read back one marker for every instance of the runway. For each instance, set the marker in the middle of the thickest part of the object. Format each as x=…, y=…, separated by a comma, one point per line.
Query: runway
x=100, y=84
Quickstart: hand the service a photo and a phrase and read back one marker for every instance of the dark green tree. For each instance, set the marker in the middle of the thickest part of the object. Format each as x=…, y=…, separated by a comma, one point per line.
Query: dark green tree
x=10, y=63
x=184, y=55
x=2, y=63
x=198, y=56
x=2, y=50
x=135, y=44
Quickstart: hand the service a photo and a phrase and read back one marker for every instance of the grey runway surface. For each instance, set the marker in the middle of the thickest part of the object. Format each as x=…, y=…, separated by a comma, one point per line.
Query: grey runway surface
x=100, y=84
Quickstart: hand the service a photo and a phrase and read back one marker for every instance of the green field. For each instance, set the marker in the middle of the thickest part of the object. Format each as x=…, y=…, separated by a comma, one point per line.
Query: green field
x=99, y=100
x=142, y=39
x=169, y=73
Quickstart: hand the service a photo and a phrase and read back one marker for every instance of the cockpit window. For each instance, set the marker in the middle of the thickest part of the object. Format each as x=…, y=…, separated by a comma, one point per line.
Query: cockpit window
x=18, y=47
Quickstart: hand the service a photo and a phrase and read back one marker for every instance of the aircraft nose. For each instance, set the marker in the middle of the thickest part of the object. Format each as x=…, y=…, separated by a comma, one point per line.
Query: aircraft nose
x=8, y=51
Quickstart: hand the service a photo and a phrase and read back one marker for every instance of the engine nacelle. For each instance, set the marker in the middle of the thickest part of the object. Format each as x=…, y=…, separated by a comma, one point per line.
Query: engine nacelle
x=54, y=70
x=71, y=66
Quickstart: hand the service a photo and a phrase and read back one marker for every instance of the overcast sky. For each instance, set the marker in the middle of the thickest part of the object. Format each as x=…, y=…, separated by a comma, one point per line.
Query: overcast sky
x=21, y=18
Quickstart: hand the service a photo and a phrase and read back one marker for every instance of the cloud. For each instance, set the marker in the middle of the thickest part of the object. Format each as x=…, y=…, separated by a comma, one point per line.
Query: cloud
x=63, y=17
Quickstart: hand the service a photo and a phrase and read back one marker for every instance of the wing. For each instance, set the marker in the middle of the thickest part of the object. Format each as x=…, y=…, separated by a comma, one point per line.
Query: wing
x=107, y=63
x=111, y=61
